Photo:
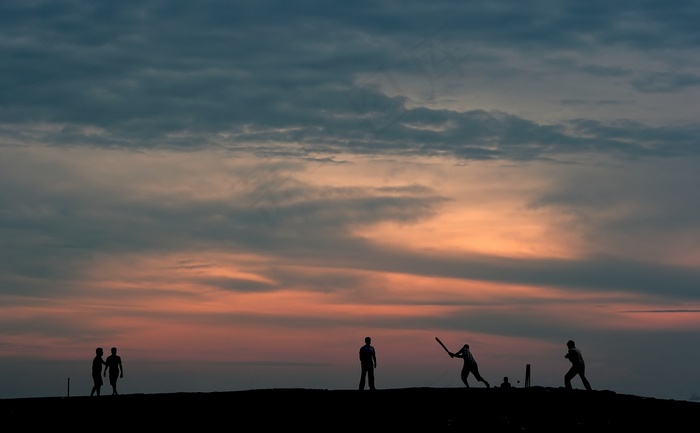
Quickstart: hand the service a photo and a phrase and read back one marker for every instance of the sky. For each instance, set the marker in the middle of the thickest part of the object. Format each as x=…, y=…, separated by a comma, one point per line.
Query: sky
x=236, y=193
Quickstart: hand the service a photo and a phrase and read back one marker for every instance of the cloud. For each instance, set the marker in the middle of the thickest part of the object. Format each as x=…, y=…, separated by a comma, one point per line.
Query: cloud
x=181, y=174
x=129, y=77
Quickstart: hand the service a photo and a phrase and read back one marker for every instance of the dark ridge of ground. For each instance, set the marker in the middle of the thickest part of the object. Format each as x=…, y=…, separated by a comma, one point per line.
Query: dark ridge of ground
x=532, y=409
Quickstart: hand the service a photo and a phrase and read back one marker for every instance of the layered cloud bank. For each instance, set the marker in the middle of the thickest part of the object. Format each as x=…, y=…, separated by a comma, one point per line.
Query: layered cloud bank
x=235, y=195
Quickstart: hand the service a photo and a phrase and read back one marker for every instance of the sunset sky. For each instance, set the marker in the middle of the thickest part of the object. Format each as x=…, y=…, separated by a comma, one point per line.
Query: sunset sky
x=235, y=193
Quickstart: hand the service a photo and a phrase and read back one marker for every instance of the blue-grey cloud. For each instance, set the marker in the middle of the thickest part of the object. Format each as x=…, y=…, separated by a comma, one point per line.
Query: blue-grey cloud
x=159, y=75
x=597, y=97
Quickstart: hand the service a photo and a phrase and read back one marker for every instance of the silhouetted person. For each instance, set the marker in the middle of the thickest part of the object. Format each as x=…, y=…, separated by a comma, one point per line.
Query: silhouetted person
x=506, y=383
x=470, y=366
x=577, y=366
x=97, y=363
x=113, y=364
x=368, y=362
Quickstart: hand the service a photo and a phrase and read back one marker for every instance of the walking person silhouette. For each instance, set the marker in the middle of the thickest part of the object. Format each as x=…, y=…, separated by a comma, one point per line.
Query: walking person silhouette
x=368, y=362
x=470, y=366
x=578, y=367
x=97, y=363
x=113, y=364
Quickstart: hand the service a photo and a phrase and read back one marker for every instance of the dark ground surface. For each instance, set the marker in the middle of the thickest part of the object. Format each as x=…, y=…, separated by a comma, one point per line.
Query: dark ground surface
x=532, y=409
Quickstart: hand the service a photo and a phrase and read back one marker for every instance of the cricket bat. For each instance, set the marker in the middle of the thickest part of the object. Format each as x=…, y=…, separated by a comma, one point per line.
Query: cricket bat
x=443, y=346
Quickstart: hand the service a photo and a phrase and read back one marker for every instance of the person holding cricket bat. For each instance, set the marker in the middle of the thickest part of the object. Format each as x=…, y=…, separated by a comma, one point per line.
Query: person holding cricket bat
x=578, y=367
x=470, y=365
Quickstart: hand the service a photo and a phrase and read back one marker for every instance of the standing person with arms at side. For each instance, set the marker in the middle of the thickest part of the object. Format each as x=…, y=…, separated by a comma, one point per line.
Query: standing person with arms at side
x=114, y=365
x=578, y=367
x=470, y=366
x=97, y=363
x=368, y=362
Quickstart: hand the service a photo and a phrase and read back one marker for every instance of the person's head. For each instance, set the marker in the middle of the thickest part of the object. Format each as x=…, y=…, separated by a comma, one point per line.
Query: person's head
x=570, y=344
x=466, y=346
x=114, y=351
x=99, y=351
x=368, y=340
x=505, y=378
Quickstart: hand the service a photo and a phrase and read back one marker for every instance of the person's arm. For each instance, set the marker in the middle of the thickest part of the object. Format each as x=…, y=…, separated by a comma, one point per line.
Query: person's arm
x=121, y=369
x=374, y=359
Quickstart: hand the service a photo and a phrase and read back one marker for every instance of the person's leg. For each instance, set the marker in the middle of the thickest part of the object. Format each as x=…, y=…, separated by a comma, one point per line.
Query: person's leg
x=96, y=385
x=568, y=376
x=370, y=378
x=477, y=375
x=464, y=375
x=586, y=384
x=362, y=378
x=113, y=382
x=582, y=375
